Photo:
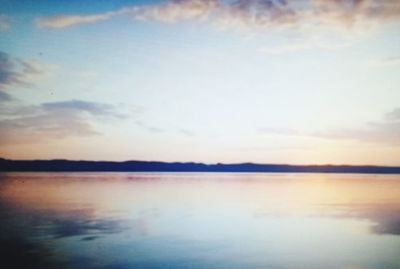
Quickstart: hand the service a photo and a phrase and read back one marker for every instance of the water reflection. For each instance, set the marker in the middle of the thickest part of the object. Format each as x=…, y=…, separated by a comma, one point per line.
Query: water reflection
x=385, y=217
x=165, y=220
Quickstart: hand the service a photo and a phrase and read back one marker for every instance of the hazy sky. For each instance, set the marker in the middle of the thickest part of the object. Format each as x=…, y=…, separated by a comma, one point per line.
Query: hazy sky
x=271, y=81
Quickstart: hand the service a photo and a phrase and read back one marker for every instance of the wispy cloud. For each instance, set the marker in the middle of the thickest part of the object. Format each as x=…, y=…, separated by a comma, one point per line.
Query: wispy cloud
x=259, y=14
x=186, y=132
x=92, y=108
x=5, y=97
x=386, y=131
x=146, y=127
x=162, y=130
x=73, y=20
x=221, y=13
x=350, y=11
x=15, y=72
x=5, y=24
x=8, y=71
x=384, y=216
x=388, y=61
x=54, y=120
x=393, y=115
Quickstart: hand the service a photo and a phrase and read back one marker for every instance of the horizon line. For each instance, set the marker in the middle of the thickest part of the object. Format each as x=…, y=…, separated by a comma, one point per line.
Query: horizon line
x=200, y=163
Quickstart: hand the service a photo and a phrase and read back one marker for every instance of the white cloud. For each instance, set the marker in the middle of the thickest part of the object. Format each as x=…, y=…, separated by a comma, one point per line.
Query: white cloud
x=65, y=21
x=258, y=14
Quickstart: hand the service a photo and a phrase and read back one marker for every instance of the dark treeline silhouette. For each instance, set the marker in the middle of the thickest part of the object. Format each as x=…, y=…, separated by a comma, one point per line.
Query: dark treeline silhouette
x=148, y=166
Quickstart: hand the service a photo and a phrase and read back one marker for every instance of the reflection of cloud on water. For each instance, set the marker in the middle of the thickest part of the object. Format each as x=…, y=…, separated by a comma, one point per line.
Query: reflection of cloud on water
x=386, y=217
x=100, y=220
x=35, y=238
x=89, y=238
x=58, y=224
x=388, y=227
x=77, y=227
x=386, y=222
x=27, y=236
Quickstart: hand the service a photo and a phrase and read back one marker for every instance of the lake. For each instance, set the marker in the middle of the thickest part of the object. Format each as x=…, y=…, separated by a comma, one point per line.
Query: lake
x=199, y=220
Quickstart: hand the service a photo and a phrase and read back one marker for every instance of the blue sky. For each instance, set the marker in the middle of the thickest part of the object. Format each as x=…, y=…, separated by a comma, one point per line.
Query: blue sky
x=310, y=81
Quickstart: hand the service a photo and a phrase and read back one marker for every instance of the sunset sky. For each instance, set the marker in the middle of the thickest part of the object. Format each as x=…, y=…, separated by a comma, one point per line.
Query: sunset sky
x=267, y=81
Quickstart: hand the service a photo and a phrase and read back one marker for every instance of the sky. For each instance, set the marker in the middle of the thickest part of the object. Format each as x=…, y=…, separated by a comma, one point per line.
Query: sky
x=266, y=81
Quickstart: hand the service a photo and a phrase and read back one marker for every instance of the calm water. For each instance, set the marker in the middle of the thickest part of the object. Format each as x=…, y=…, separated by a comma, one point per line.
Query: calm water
x=199, y=220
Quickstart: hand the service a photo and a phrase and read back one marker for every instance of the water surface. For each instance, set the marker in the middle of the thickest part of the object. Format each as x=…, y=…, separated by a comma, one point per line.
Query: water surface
x=199, y=220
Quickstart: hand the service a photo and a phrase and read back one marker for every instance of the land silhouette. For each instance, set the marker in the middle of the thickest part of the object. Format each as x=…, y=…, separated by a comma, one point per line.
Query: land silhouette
x=7, y=165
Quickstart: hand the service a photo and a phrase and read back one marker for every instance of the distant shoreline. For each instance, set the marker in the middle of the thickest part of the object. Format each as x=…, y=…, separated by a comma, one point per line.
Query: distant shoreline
x=150, y=166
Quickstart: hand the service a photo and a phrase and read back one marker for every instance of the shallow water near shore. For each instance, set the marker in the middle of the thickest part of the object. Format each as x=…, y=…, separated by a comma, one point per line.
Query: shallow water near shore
x=199, y=220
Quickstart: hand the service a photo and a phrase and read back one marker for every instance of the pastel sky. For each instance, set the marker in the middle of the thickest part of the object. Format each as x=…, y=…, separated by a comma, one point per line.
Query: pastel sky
x=267, y=81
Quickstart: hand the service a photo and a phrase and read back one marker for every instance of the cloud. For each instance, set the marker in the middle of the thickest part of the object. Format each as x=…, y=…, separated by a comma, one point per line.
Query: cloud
x=186, y=132
x=384, y=216
x=278, y=148
x=92, y=108
x=155, y=129
x=241, y=12
x=358, y=9
x=8, y=73
x=15, y=72
x=55, y=120
x=388, y=61
x=146, y=127
x=5, y=24
x=5, y=97
x=64, y=21
x=83, y=226
x=386, y=131
x=158, y=130
x=388, y=225
x=224, y=14
x=393, y=115
x=176, y=10
x=256, y=14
